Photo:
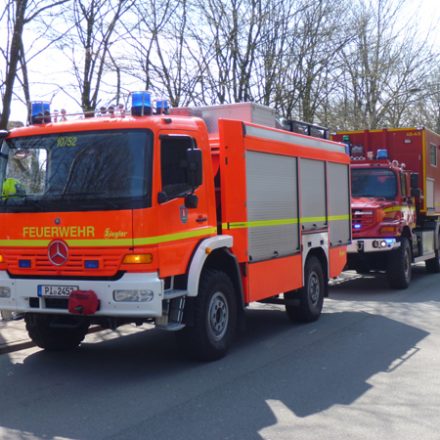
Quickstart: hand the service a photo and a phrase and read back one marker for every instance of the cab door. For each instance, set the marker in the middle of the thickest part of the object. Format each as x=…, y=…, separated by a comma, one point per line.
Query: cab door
x=182, y=214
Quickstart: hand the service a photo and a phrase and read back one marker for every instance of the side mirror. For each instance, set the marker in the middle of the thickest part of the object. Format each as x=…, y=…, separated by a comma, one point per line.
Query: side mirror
x=194, y=167
x=191, y=201
x=415, y=192
x=162, y=197
x=414, y=181
x=3, y=134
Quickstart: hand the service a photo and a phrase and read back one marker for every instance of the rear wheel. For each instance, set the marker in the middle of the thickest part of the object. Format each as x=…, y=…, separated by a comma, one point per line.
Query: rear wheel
x=55, y=332
x=311, y=296
x=399, y=266
x=214, y=318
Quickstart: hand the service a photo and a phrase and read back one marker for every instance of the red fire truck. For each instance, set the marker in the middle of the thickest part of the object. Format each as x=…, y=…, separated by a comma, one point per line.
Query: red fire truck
x=180, y=219
x=395, y=186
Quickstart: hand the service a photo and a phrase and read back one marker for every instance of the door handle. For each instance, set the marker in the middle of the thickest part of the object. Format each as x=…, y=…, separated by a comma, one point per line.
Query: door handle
x=201, y=219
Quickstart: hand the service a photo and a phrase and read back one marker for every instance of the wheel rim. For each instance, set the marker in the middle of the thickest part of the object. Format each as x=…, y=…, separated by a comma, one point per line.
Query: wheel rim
x=218, y=316
x=314, y=289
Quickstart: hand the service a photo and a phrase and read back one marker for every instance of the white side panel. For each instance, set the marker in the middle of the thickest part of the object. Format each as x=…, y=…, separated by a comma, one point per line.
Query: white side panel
x=272, y=205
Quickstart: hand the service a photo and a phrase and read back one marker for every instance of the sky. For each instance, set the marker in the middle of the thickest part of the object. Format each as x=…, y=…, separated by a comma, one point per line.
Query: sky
x=50, y=67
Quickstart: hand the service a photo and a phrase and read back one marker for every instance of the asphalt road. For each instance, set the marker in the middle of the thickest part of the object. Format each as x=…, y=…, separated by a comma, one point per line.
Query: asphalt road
x=368, y=369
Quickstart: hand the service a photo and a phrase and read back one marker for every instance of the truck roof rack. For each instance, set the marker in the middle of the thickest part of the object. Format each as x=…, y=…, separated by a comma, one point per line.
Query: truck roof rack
x=306, y=128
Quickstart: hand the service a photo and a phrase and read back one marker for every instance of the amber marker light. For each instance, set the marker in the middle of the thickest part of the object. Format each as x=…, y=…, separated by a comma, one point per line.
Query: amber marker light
x=138, y=259
x=208, y=250
x=2, y=260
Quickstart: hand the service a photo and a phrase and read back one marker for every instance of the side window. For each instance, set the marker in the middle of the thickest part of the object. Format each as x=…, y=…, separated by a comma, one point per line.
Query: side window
x=433, y=154
x=174, y=165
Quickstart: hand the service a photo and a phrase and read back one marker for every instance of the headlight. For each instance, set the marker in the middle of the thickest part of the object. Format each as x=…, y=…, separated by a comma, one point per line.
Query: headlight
x=133, y=295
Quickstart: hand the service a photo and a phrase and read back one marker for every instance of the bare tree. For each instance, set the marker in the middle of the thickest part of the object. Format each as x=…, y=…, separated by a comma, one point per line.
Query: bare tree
x=161, y=55
x=228, y=38
x=14, y=18
x=94, y=33
x=380, y=68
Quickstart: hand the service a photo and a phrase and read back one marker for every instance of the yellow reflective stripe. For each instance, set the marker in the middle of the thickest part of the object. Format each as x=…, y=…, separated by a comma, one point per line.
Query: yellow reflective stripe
x=394, y=208
x=114, y=242
x=313, y=219
x=332, y=218
x=260, y=223
x=101, y=243
x=282, y=222
x=173, y=237
x=25, y=243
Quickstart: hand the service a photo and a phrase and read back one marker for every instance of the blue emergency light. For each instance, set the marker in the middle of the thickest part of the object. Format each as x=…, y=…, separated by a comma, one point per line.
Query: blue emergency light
x=141, y=103
x=162, y=106
x=382, y=153
x=40, y=112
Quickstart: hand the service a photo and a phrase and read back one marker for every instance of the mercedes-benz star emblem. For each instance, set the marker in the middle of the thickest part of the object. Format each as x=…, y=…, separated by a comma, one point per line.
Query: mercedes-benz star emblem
x=58, y=252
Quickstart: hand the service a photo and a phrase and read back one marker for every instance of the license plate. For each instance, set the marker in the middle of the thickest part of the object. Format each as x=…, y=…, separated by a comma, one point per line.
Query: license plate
x=56, y=291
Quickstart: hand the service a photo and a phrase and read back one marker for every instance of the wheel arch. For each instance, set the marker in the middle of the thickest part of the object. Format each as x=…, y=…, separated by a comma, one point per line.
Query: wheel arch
x=406, y=232
x=322, y=258
x=215, y=253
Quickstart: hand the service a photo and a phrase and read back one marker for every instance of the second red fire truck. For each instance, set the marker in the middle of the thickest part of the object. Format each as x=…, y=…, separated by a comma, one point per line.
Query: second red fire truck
x=395, y=188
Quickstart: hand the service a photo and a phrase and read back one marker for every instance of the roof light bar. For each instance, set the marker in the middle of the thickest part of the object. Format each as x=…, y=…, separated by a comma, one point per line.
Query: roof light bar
x=141, y=103
x=40, y=112
x=162, y=106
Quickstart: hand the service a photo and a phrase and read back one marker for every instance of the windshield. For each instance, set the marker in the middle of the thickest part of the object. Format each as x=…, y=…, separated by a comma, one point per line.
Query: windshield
x=373, y=182
x=77, y=171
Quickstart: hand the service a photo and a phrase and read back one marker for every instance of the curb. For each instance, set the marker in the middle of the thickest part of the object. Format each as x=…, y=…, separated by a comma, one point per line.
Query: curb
x=16, y=346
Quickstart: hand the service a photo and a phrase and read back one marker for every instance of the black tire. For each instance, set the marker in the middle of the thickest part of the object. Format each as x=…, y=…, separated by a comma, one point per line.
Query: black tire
x=399, y=266
x=55, y=332
x=433, y=265
x=362, y=269
x=311, y=296
x=214, y=318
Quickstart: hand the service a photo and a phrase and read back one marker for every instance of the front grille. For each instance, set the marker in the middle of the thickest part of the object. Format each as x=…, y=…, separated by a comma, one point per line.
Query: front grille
x=109, y=263
x=362, y=219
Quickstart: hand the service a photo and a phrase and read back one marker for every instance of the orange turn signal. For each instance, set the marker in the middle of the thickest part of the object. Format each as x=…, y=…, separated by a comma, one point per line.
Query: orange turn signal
x=2, y=260
x=138, y=259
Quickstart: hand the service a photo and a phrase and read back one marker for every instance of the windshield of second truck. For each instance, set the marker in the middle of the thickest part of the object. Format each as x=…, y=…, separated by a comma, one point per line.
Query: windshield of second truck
x=373, y=182
x=77, y=171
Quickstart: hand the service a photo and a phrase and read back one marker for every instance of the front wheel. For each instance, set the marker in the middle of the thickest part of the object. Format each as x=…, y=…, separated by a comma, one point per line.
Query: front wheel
x=214, y=318
x=311, y=296
x=399, y=266
x=55, y=332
